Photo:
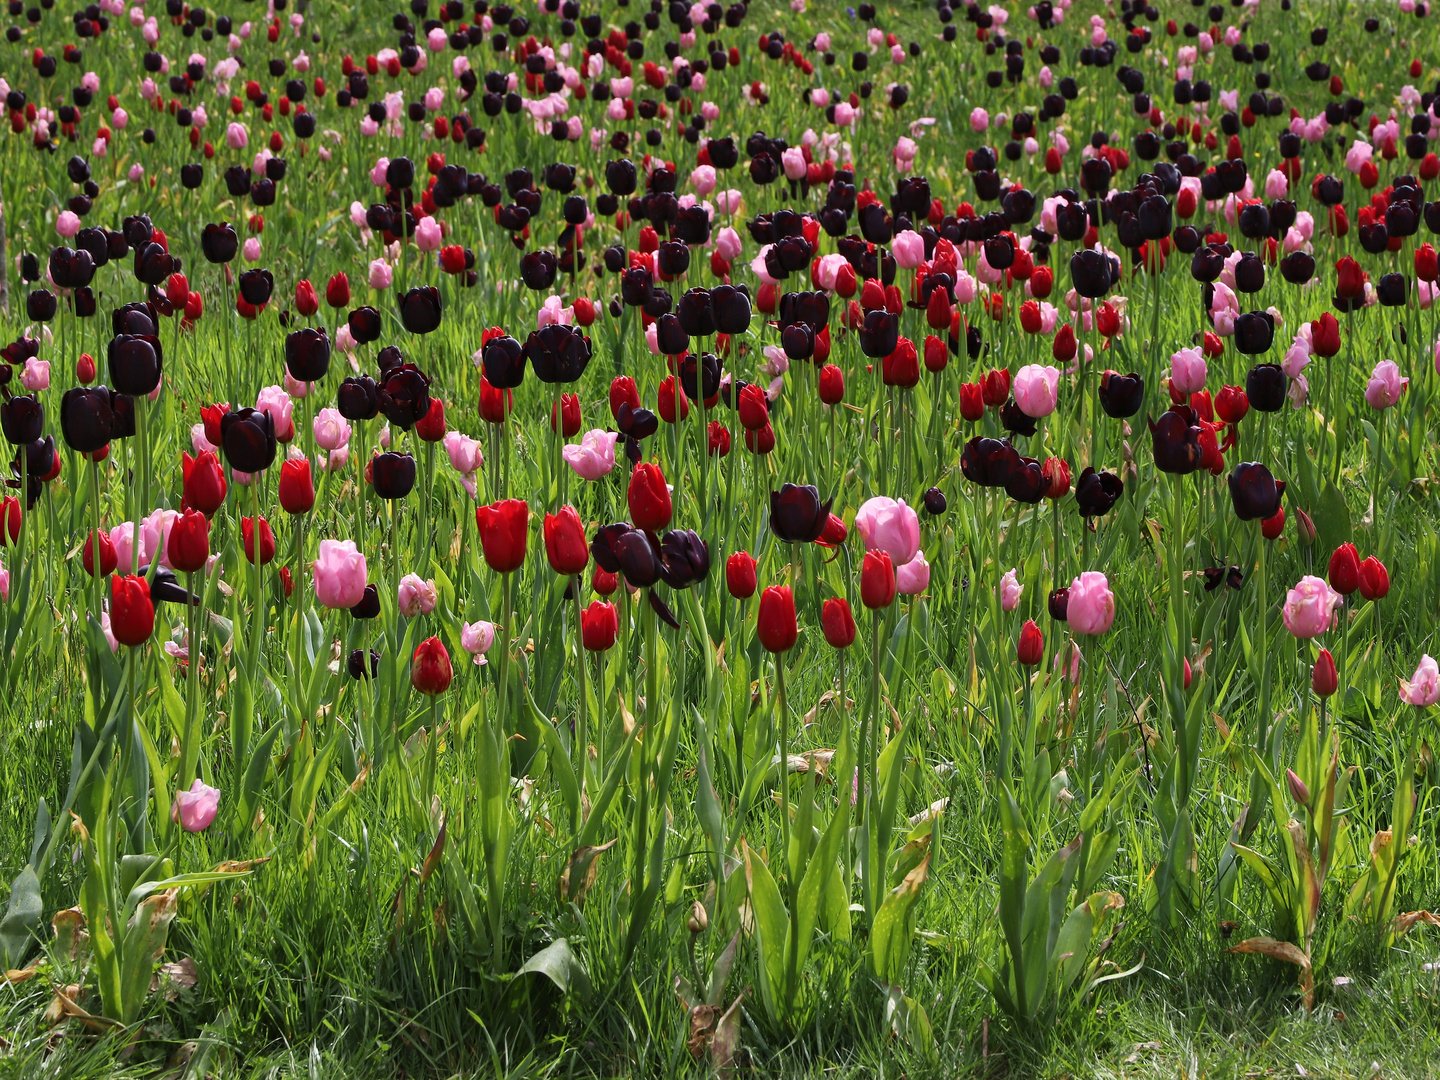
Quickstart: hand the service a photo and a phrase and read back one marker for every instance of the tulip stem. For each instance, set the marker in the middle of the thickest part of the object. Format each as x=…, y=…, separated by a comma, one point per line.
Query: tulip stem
x=582, y=733
x=189, y=751
x=432, y=752
x=782, y=714
x=864, y=786
x=258, y=550
x=97, y=573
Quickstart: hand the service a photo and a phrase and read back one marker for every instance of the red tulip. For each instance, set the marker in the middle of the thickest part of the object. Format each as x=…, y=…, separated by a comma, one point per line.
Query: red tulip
x=503, y=527
x=306, y=302
x=85, y=369
x=1427, y=266
x=337, y=292
x=972, y=402
x=1273, y=526
x=1063, y=348
x=877, y=580
x=569, y=415
x=938, y=310
x=108, y=559
x=995, y=389
x=1107, y=320
x=762, y=441
x=649, y=498
x=838, y=622
x=718, y=438
x=740, y=575
x=1231, y=404
x=834, y=532
x=599, y=626
x=1056, y=473
x=430, y=670
x=203, y=484
x=187, y=548
x=211, y=415
x=296, y=488
x=565, y=545
x=495, y=404
x=604, y=582
x=775, y=622
x=623, y=391
x=1030, y=320
x=1374, y=579
x=1042, y=280
x=901, y=368
x=1325, y=335
x=1349, y=280
x=584, y=309
x=11, y=513
x=832, y=385
x=1344, y=571
x=1031, y=646
x=665, y=400
x=431, y=426
x=754, y=408
x=132, y=615
x=1324, y=680
x=937, y=356
x=267, y=540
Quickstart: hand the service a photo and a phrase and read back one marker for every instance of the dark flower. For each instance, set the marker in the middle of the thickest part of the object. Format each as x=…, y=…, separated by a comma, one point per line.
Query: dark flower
x=684, y=558
x=537, y=269
x=558, y=353
x=420, y=309
x=153, y=265
x=638, y=557
x=357, y=398
x=135, y=318
x=797, y=516
x=404, y=395
x=1097, y=492
x=135, y=363
x=307, y=354
x=1254, y=492
x=392, y=475
x=1058, y=604
x=256, y=287
x=1015, y=420
x=1026, y=482
x=22, y=419
x=879, y=334
x=71, y=269
x=40, y=305
x=503, y=361
x=1254, y=332
x=365, y=324
x=1265, y=387
x=989, y=462
x=86, y=419
x=1121, y=395
x=732, y=309
x=1175, y=440
x=368, y=608
x=248, y=439
x=1091, y=273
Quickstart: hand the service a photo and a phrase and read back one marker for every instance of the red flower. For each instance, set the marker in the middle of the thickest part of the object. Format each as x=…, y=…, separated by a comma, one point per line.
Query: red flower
x=1064, y=348
x=1324, y=680
x=665, y=400
x=877, y=580
x=569, y=415
x=452, y=259
x=1325, y=332
x=267, y=540
x=431, y=426
x=108, y=559
x=177, y=290
x=430, y=670
x=649, y=498
x=762, y=441
x=1042, y=280
x=1231, y=404
x=1344, y=571
x=1031, y=646
x=1374, y=579
x=937, y=356
x=754, y=408
x=995, y=389
x=740, y=575
x=337, y=292
x=832, y=385
x=838, y=622
x=623, y=391
x=902, y=367
x=211, y=415
x=604, y=582
x=203, y=484
x=10, y=514
x=775, y=622
x=1349, y=280
x=1427, y=267
x=296, y=489
x=503, y=527
x=132, y=614
x=565, y=545
x=719, y=438
x=1030, y=320
x=938, y=310
x=495, y=404
x=306, y=302
x=972, y=401
x=1273, y=526
x=187, y=548
x=1056, y=474
x=599, y=626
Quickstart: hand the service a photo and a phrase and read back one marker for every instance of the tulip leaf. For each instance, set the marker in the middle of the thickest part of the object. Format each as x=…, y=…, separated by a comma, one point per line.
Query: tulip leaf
x=1332, y=518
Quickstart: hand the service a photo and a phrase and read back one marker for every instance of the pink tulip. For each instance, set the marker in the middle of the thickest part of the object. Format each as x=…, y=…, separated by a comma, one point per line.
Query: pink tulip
x=979, y=119
x=888, y=525
x=1310, y=607
x=729, y=244
x=702, y=179
x=195, y=809
x=1385, y=385
x=332, y=431
x=339, y=572
x=236, y=136
x=465, y=453
x=476, y=639
x=909, y=249
x=1422, y=688
x=67, y=224
x=427, y=234
x=1010, y=591
x=1187, y=370
x=380, y=274
x=594, y=456
x=1092, y=604
x=4, y=584
x=275, y=401
x=1036, y=389
x=793, y=162
x=35, y=375
x=914, y=577
x=416, y=596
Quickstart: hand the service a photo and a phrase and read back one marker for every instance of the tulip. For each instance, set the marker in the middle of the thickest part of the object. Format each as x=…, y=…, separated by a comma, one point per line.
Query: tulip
x=1385, y=385
x=936, y=505
x=565, y=545
x=476, y=639
x=296, y=488
x=195, y=809
x=913, y=577
x=1310, y=606
x=1423, y=688
x=403, y=395
x=1121, y=395
x=1374, y=579
x=599, y=626
x=1254, y=492
x=594, y=456
x=392, y=475
x=1187, y=371
x=1091, y=607
x=1036, y=390
x=339, y=572
x=1031, y=647
x=109, y=559
x=740, y=575
x=837, y=622
x=503, y=527
x=989, y=462
x=188, y=545
x=430, y=670
x=569, y=415
x=415, y=596
x=649, y=498
x=1325, y=335
x=1010, y=591
x=132, y=613
x=972, y=402
x=877, y=580
x=267, y=540
x=248, y=439
x=1323, y=679
x=1344, y=569
x=775, y=623
x=797, y=516
x=890, y=526
x=87, y=421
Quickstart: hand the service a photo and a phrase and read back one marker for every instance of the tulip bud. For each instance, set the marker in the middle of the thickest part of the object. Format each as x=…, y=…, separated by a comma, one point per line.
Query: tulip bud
x=1304, y=527
x=698, y=920
x=1031, y=647
x=1298, y=791
x=1324, y=680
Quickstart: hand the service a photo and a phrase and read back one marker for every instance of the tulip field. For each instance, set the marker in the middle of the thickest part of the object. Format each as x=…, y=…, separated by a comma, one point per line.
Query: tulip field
x=649, y=538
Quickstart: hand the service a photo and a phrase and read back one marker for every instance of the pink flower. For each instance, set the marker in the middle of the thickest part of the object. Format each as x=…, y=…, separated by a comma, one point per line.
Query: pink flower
x=820, y=97
x=1187, y=370
x=416, y=596
x=702, y=179
x=909, y=249
x=1385, y=385
x=1092, y=604
x=35, y=376
x=979, y=119
x=195, y=809
x=380, y=274
x=729, y=244
x=1010, y=591
x=1358, y=155
x=427, y=234
x=1276, y=184
x=793, y=161
x=1036, y=388
x=236, y=136
x=888, y=525
x=4, y=584
x=67, y=224
x=476, y=639
x=1310, y=607
x=594, y=455
x=1422, y=688
x=276, y=402
x=332, y=430
x=251, y=251
x=914, y=577
x=844, y=114
x=339, y=572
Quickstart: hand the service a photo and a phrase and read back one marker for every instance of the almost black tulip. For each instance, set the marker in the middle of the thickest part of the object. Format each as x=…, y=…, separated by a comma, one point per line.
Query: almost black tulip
x=1265, y=387
x=1121, y=395
x=732, y=309
x=1254, y=492
x=70, y=268
x=1249, y=273
x=123, y=408
x=670, y=336
x=400, y=173
x=138, y=231
x=1026, y=483
x=218, y=242
x=602, y=547
x=879, y=334
x=164, y=587
x=22, y=419
x=989, y=462
x=638, y=556
x=392, y=475
x=87, y=422
x=558, y=353
x=708, y=365
x=1298, y=267
x=307, y=354
x=1058, y=604
x=696, y=314
x=537, y=269
x=135, y=318
x=357, y=398
x=1254, y=332
x=1016, y=421
x=935, y=503
x=404, y=396
x=369, y=605
x=135, y=363
x=684, y=558
x=1090, y=272
x=365, y=324
x=40, y=305
x=1391, y=290
x=420, y=309
x=355, y=663
x=154, y=265
x=797, y=516
x=503, y=361
x=83, y=302
x=621, y=177
x=1206, y=264
x=1175, y=441
x=1097, y=492
x=248, y=439
x=256, y=286
x=636, y=284
x=635, y=423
